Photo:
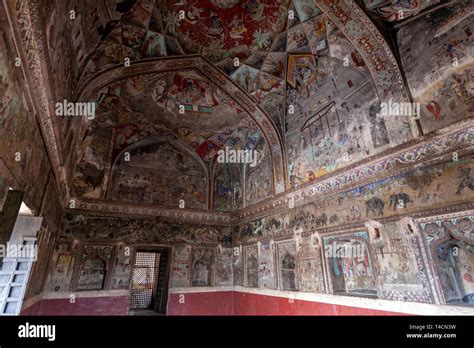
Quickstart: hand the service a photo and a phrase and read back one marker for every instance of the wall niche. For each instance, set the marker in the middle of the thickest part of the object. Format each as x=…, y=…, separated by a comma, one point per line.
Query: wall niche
x=203, y=266
x=287, y=264
x=451, y=243
x=350, y=264
x=92, y=271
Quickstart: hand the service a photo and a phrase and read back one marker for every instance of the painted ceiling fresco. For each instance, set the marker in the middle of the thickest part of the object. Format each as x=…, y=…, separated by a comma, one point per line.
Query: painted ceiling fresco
x=72, y=37
x=307, y=76
x=319, y=92
x=158, y=155
x=314, y=85
x=223, y=29
x=443, y=52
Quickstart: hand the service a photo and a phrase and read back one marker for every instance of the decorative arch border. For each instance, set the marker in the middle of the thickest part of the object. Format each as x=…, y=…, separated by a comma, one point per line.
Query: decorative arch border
x=25, y=22
x=160, y=139
x=370, y=44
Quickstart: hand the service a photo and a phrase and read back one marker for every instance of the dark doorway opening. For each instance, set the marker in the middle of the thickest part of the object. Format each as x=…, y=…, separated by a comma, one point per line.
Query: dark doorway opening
x=149, y=288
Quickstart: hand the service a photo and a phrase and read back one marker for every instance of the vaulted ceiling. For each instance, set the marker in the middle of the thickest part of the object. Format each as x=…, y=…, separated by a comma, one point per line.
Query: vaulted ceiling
x=308, y=93
x=299, y=81
x=283, y=62
x=142, y=114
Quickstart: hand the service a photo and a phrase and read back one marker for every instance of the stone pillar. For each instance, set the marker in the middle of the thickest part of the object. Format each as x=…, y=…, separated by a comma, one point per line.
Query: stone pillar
x=9, y=215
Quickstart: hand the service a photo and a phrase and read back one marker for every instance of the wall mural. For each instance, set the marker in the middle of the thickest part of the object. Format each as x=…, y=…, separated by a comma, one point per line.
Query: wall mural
x=238, y=266
x=181, y=268
x=395, y=265
x=455, y=271
x=3, y=192
x=67, y=44
x=402, y=273
x=90, y=171
x=203, y=267
x=228, y=195
x=258, y=176
x=344, y=123
x=451, y=242
x=322, y=115
x=281, y=65
x=310, y=265
x=287, y=266
x=266, y=265
x=395, y=253
x=322, y=111
x=159, y=174
x=70, y=41
x=251, y=266
x=92, y=273
x=104, y=34
x=278, y=58
x=422, y=188
x=127, y=230
x=24, y=160
x=60, y=274
x=20, y=144
x=395, y=269
x=443, y=50
x=96, y=251
x=224, y=274
x=223, y=29
x=350, y=264
x=123, y=267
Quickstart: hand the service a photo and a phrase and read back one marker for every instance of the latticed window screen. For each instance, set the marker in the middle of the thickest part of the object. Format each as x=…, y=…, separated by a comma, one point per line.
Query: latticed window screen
x=144, y=281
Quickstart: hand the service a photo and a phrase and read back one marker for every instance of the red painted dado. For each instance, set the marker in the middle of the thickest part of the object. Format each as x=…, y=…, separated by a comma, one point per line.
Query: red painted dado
x=110, y=305
x=256, y=304
x=240, y=303
x=201, y=303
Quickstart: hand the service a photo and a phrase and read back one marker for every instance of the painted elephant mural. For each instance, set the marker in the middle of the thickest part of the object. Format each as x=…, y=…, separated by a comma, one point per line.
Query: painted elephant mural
x=375, y=205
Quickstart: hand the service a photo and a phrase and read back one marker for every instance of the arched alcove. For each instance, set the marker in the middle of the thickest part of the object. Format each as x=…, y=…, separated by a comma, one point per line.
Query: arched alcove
x=159, y=172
